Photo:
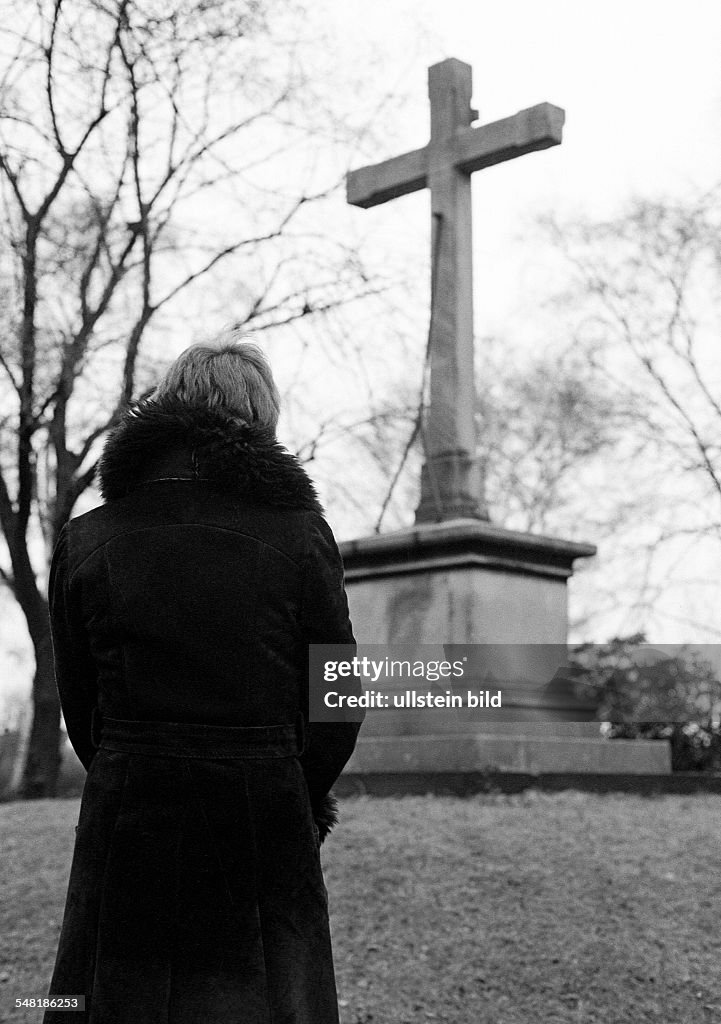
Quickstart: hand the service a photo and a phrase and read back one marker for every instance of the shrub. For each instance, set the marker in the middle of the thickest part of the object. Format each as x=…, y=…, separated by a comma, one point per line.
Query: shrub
x=643, y=691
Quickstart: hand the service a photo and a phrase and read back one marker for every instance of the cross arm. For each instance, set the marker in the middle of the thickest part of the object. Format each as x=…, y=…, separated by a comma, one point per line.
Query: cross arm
x=377, y=183
x=535, y=128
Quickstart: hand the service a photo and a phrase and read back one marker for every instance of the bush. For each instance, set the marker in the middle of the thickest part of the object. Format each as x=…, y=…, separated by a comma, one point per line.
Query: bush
x=646, y=692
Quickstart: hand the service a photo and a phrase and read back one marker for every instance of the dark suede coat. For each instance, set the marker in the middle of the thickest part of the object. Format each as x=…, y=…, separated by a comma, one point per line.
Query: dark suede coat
x=196, y=894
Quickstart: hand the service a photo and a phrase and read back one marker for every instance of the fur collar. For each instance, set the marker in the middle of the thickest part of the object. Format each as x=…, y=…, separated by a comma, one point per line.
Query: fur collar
x=156, y=437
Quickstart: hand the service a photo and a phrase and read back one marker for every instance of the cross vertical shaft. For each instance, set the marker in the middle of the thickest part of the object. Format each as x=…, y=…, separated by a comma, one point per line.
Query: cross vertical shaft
x=451, y=486
x=450, y=482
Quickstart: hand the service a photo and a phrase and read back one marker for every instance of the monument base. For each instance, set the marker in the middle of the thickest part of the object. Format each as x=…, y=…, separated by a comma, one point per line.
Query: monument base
x=467, y=581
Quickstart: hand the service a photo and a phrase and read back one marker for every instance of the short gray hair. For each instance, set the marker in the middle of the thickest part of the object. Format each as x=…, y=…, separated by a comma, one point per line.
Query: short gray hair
x=227, y=374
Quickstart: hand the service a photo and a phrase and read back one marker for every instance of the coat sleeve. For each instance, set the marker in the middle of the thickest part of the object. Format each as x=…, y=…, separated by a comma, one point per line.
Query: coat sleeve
x=325, y=620
x=75, y=672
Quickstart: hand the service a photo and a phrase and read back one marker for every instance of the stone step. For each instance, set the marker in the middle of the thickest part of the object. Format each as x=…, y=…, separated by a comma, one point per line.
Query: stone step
x=512, y=753
x=422, y=722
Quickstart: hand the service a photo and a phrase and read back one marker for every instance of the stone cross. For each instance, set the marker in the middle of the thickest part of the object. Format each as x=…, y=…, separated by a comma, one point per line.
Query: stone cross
x=450, y=481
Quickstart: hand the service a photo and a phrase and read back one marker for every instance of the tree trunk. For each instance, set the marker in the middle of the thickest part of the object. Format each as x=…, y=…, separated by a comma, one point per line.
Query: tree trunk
x=42, y=765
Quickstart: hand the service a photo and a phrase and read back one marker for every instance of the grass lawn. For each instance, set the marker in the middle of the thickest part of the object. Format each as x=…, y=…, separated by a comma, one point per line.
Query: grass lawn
x=538, y=908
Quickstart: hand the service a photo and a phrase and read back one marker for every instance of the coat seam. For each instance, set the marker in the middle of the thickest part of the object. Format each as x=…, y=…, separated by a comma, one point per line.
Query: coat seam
x=178, y=851
x=201, y=807
x=166, y=526
x=253, y=839
x=104, y=883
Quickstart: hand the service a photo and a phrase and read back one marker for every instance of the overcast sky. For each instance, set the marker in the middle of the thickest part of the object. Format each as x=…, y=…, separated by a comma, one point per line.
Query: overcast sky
x=640, y=82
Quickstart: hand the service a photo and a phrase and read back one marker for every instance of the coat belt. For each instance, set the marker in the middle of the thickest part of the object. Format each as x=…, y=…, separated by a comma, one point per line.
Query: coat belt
x=180, y=739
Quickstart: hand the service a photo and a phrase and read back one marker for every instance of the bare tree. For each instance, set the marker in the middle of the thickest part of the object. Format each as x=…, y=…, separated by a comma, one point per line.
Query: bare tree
x=143, y=147
x=542, y=427
x=541, y=424
x=644, y=307
x=648, y=287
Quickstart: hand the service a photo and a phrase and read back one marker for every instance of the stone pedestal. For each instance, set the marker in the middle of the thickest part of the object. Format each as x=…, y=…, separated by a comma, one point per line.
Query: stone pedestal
x=466, y=581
